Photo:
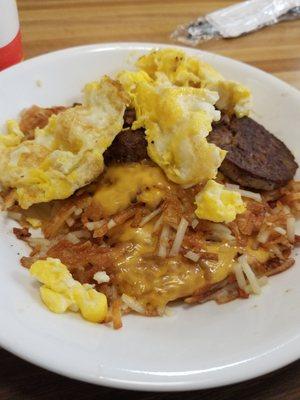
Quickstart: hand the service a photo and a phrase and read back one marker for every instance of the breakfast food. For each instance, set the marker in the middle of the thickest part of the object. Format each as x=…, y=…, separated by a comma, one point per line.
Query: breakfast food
x=255, y=158
x=127, y=201
x=128, y=146
x=67, y=153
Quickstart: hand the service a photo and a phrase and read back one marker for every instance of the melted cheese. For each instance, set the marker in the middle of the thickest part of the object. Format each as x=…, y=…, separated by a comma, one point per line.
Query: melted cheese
x=141, y=236
x=154, y=281
x=124, y=184
x=259, y=254
x=217, y=271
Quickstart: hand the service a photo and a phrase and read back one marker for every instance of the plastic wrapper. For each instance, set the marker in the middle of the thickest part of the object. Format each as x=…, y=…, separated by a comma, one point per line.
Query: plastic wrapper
x=237, y=20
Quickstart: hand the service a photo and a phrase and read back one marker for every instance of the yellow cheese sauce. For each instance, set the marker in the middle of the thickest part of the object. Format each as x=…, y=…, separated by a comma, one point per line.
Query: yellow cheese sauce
x=259, y=254
x=123, y=184
x=154, y=281
x=217, y=271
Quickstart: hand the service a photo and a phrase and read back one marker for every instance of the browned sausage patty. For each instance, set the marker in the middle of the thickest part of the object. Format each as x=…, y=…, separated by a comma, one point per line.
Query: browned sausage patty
x=128, y=146
x=255, y=158
x=129, y=117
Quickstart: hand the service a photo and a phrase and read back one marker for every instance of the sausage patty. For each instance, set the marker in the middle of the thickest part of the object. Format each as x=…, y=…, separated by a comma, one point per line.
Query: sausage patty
x=255, y=158
x=128, y=146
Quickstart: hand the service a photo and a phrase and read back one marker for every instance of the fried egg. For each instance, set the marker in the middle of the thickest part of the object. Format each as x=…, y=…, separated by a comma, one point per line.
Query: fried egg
x=67, y=153
x=181, y=70
x=60, y=292
x=177, y=120
x=217, y=204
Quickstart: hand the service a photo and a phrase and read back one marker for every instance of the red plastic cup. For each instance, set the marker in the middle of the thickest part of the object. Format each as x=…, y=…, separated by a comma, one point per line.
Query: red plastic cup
x=10, y=36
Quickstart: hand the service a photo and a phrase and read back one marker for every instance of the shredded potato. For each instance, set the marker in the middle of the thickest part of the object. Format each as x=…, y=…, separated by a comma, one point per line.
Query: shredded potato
x=144, y=257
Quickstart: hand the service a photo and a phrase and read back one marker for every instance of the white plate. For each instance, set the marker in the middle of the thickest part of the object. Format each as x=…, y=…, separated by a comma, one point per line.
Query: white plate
x=198, y=347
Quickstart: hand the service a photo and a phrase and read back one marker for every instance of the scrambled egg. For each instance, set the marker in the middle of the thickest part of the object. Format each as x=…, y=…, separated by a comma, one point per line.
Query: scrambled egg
x=182, y=70
x=67, y=153
x=175, y=98
x=60, y=292
x=177, y=120
x=217, y=204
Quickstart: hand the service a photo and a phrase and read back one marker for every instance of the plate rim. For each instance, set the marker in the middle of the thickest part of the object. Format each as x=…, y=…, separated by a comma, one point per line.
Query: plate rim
x=256, y=366
x=93, y=47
